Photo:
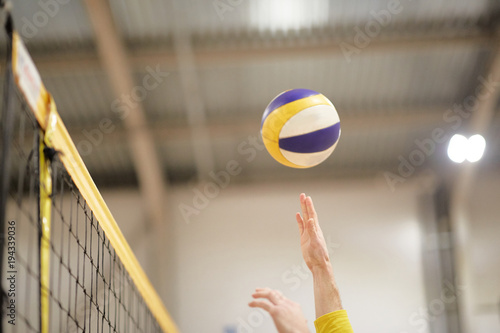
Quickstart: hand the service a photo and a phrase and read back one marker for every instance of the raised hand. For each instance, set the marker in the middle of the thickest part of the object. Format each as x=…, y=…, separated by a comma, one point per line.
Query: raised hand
x=312, y=241
x=287, y=315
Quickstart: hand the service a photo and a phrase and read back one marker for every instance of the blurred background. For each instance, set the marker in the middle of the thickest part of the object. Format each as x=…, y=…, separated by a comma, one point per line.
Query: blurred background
x=164, y=99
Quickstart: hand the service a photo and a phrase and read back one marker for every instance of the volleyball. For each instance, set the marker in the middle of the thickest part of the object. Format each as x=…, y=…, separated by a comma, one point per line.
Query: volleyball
x=300, y=128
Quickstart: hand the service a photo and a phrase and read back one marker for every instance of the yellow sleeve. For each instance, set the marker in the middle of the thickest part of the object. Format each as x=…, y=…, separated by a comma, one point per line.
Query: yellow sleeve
x=333, y=322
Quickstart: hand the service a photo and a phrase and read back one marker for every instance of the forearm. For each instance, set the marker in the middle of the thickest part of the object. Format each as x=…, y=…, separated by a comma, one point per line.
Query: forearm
x=326, y=293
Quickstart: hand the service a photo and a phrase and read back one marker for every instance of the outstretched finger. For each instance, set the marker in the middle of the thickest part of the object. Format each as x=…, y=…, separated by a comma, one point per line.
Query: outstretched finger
x=263, y=304
x=272, y=295
x=311, y=212
x=303, y=206
x=300, y=222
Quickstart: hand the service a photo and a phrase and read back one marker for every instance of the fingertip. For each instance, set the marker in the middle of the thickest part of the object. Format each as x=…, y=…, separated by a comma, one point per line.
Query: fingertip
x=258, y=292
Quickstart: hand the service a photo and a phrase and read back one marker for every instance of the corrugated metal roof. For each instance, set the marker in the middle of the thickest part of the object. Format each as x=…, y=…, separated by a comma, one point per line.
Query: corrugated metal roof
x=381, y=83
x=397, y=84
x=153, y=18
x=52, y=24
x=82, y=98
x=145, y=20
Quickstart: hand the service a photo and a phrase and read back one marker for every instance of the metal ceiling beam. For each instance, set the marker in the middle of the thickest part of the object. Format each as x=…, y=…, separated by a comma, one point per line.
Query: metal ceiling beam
x=482, y=117
x=193, y=101
x=86, y=60
x=114, y=59
x=152, y=185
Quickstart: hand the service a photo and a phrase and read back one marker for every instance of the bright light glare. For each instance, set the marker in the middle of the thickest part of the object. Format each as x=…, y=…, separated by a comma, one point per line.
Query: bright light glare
x=461, y=148
x=457, y=149
x=477, y=144
x=288, y=14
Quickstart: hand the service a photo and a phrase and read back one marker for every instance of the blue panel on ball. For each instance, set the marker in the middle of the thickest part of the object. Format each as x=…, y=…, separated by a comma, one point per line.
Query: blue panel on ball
x=312, y=142
x=285, y=98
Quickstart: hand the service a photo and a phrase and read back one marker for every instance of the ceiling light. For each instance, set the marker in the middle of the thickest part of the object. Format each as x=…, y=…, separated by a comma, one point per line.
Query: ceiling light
x=288, y=14
x=457, y=148
x=460, y=148
x=477, y=144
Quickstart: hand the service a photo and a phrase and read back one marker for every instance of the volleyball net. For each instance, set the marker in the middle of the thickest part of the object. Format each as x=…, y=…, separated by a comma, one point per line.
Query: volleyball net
x=65, y=265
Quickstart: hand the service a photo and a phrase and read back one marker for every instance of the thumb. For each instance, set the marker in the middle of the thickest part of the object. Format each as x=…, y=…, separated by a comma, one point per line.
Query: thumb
x=300, y=222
